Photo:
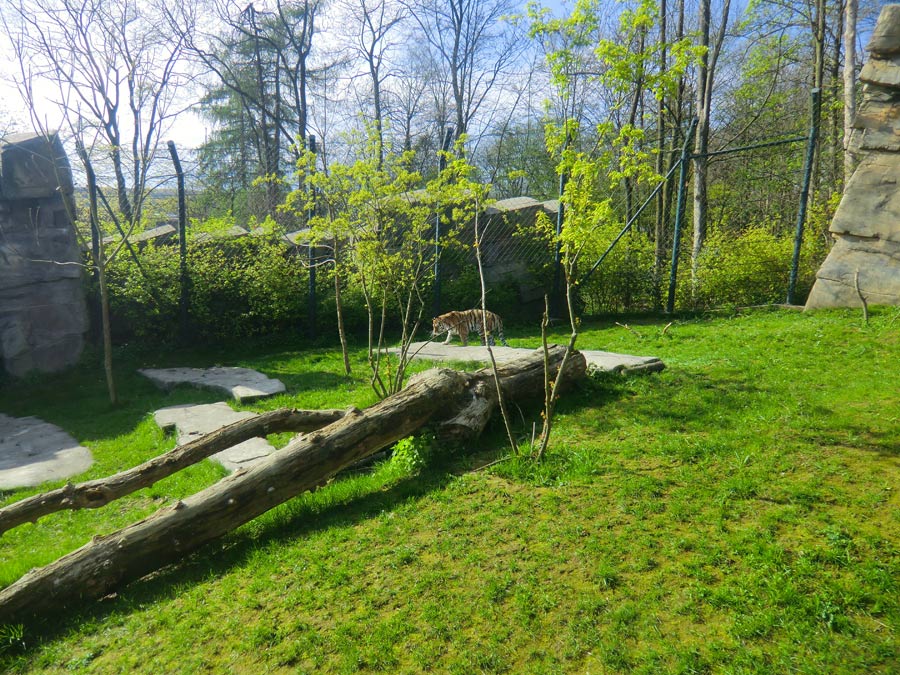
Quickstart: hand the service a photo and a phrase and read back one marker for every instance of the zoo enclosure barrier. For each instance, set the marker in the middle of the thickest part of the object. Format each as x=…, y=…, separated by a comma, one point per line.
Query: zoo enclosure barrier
x=783, y=175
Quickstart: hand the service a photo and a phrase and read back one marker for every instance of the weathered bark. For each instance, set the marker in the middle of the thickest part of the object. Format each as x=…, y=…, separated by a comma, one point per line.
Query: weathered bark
x=108, y=562
x=520, y=378
x=96, y=493
x=849, y=38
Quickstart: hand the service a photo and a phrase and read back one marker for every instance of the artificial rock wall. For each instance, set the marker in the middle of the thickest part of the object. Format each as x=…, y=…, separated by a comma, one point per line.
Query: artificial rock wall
x=866, y=225
x=43, y=317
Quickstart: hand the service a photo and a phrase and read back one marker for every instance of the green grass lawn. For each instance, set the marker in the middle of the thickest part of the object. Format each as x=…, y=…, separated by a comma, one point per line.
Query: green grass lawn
x=736, y=513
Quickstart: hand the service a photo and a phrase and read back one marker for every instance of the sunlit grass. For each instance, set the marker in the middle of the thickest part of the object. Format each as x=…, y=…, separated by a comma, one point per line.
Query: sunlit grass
x=736, y=513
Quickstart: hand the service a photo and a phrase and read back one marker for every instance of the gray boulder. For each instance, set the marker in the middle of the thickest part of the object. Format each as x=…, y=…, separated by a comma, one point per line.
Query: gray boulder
x=865, y=258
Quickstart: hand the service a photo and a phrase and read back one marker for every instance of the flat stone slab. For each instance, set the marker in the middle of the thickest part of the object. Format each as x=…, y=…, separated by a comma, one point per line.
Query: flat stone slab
x=597, y=361
x=33, y=451
x=244, y=384
x=192, y=421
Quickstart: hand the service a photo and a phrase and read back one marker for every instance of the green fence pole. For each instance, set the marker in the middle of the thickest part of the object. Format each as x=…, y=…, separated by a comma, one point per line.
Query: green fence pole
x=679, y=212
x=815, y=102
x=311, y=261
x=182, y=242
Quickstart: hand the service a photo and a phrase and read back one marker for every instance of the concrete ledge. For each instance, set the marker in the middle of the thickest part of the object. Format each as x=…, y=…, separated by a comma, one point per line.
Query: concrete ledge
x=33, y=451
x=597, y=361
x=244, y=384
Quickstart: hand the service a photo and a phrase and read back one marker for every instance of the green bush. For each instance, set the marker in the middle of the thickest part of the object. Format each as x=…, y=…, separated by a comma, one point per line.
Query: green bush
x=247, y=286
x=144, y=294
x=753, y=267
x=237, y=288
x=624, y=281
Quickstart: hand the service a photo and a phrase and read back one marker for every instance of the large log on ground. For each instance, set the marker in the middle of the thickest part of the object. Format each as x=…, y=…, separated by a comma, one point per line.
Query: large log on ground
x=96, y=493
x=106, y=563
x=518, y=378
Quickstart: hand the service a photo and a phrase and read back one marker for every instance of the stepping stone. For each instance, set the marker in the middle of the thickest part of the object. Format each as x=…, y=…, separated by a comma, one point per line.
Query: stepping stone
x=244, y=384
x=33, y=451
x=192, y=421
x=597, y=361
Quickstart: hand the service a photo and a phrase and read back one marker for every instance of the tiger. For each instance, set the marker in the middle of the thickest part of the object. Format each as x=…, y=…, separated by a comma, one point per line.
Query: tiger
x=462, y=323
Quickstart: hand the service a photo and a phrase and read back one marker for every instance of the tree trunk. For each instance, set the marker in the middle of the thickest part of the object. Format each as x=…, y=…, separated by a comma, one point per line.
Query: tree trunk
x=100, y=265
x=705, y=78
x=818, y=83
x=661, y=223
x=110, y=561
x=849, y=86
x=96, y=493
x=701, y=142
x=339, y=307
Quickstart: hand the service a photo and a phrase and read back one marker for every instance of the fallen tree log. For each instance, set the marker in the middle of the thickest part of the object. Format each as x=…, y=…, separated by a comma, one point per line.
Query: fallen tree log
x=96, y=493
x=516, y=377
x=107, y=562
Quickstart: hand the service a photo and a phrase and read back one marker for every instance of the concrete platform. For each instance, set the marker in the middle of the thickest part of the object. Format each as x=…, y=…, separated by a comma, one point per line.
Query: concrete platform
x=192, y=421
x=244, y=384
x=597, y=361
x=33, y=451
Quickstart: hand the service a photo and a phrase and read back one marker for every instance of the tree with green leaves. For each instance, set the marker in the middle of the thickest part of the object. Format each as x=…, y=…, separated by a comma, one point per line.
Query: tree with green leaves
x=379, y=224
x=596, y=162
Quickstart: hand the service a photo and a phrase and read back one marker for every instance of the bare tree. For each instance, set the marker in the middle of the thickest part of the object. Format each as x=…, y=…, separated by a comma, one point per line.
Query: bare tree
x=474, y=46
x=116, y=75
x=279, y=37
x=373, y=22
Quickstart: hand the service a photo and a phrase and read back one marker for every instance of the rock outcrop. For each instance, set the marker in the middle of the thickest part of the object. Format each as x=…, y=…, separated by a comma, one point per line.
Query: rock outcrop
x=866, y=226
x=43, y=318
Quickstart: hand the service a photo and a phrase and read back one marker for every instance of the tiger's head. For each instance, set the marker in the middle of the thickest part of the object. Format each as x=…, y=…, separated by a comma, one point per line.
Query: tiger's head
x=443, y=323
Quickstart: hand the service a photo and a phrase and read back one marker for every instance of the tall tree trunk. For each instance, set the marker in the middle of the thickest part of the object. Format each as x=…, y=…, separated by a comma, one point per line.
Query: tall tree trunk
x=660, y=225
x=705, y=78
x=100, y=265
x=632, y=119
x=834, y=76
x=701, y=142
x=849, y=38
x=818, y=83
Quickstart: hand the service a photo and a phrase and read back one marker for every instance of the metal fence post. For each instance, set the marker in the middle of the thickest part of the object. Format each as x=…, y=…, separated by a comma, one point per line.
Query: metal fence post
x=679, y=213
x=311, y=294
x=183, y=308
x=815, y=100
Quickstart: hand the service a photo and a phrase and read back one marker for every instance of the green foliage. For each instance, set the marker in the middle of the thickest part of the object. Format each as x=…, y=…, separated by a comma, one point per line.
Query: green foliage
x=144, y=299
x=237, y=287
x=380, y=226
x=249, y=286
x=753, y=267
x=12, y=637
x=410, y=455
x=624, y=282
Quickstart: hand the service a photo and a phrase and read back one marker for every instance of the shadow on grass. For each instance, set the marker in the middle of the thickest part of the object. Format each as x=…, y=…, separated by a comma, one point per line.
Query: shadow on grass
x=223, y=555
x=296, y=382
x=284, y=523
x=857, y=437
